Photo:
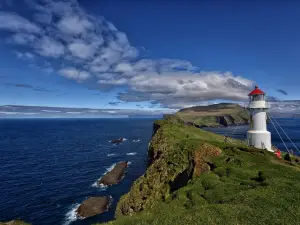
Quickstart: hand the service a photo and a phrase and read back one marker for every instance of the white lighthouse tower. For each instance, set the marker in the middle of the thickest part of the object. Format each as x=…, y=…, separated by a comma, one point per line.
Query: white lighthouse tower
x=258, y=136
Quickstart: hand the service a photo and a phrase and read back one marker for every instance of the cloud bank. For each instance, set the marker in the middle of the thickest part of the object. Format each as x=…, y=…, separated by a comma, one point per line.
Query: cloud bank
x=59, y=112
x=62, y=38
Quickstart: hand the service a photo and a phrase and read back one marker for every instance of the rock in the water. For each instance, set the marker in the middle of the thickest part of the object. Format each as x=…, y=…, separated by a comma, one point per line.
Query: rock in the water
x=117, y=141
x=115, y=175
x=93, y=206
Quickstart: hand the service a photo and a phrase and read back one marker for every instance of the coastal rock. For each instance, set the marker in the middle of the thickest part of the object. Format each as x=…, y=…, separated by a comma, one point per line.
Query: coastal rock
x=117, y=141
x=170, y=167
x=201, y=162
x=115, y=175
x=93, y=206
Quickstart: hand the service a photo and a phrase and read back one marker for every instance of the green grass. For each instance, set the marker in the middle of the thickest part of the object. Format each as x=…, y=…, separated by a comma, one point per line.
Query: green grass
x=210, y=115
x=246, y=186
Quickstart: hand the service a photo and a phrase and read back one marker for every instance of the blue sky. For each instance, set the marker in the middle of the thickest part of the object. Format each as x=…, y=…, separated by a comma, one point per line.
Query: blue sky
x=146, y=54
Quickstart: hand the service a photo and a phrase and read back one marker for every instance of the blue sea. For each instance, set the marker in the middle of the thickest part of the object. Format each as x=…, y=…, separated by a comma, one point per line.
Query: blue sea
x=291, y=127
x=49, y=166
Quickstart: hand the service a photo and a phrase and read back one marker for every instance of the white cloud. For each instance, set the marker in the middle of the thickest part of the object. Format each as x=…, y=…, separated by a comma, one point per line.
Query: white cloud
x=81, y=50
x=50, y=111
x=145, y=65
x=26, y=55
x=48, y=46
x=99, y=69
x=91, y=48
x=122, y=39
x=110, y=56
x=73, y=73
x=8, y=113
x=23, y=39
x=124, y=68
x=74, y=112
x=183, y=88
x=14, y=22
x=74, y=25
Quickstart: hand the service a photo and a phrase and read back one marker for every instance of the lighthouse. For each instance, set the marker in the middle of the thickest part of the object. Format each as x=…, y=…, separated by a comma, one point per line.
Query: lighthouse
x=257, y=135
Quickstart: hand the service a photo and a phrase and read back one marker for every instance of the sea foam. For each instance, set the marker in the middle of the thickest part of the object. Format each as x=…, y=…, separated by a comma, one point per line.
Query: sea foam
x=96, y=184
x=131, y=153
x=71, y=215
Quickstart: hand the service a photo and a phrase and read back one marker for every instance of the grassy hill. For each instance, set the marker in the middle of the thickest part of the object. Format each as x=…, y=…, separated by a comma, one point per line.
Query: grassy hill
x=194, y=177
x=223, y=114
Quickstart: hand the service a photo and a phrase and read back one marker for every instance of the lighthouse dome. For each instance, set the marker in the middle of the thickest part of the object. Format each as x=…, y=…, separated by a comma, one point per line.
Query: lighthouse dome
x=256, y=91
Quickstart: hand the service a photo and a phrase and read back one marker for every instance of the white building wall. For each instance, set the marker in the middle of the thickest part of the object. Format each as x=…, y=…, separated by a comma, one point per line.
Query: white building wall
x=258, y=136
x=260, y=139
x=259, y=120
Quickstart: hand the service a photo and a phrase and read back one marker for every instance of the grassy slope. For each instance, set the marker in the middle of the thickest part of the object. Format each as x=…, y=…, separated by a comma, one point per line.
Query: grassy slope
x=248, y=186
x=208, y=115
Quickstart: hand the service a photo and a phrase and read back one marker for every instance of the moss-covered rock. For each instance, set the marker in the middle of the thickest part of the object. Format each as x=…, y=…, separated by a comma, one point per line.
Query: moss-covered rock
x=172, y=163
x=201, y=158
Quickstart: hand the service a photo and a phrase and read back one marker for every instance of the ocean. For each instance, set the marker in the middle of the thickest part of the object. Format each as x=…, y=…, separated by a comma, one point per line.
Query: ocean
x=49, y=166
x=291, y=126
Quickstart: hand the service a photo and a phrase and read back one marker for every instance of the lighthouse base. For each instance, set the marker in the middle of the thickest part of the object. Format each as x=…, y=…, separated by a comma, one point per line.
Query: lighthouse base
x=260, y=139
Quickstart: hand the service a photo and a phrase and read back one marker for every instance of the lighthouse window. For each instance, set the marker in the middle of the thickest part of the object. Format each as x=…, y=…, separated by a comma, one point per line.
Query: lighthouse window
x=257, y=98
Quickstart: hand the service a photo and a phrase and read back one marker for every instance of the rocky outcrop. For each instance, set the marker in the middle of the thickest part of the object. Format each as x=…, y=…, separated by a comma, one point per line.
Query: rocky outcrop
x=229, y=120
x=93, y=206
x=201, y=159
x=115, y=175
x=171, y=166
x=117, y=141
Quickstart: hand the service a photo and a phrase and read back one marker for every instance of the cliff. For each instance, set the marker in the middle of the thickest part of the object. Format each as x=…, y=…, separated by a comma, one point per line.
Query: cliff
x=223, y=114
x=194, y=177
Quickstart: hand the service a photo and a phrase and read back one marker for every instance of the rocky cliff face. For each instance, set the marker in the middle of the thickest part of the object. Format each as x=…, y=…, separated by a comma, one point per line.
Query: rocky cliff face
x=172, y=163
x=194, y=177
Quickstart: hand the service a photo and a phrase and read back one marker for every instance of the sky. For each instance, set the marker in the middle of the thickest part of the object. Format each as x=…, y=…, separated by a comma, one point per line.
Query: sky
x=150, y=55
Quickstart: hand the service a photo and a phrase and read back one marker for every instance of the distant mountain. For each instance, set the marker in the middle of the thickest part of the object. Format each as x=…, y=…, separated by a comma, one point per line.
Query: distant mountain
x=223, y=114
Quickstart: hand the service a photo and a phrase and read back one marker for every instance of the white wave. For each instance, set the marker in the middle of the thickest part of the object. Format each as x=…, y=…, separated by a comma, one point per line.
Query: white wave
x=131, y=153
x=135, y=141
x=96, y=184
x=109, y=168
x=129, y=163
x=71, y=215
x=111, y=154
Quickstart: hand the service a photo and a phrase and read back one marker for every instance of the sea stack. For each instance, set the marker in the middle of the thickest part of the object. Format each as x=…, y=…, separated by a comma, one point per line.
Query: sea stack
x=257, y=135
x=117, y=141
x=93, y=206
x=115, y=175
